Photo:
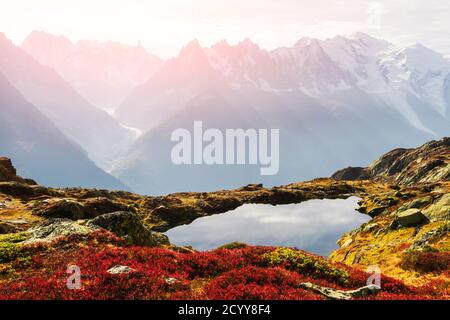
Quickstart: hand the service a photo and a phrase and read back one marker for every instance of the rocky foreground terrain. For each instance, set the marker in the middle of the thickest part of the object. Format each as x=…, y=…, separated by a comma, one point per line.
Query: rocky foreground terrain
x=115, y=239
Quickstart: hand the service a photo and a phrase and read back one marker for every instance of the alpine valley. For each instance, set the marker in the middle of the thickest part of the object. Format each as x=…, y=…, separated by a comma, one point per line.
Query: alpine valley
x=336, y=102
x=88, y=181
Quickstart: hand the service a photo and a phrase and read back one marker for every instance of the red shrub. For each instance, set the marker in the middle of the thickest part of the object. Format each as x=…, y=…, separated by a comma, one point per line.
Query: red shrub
x=258, y=284
x=241, y=273
x=213, y=263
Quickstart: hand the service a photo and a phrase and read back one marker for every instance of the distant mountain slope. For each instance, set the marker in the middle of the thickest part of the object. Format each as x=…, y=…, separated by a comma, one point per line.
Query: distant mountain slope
x=97, y=132
x=313, y=141
x=336, y=102
x=40, y=150
x=179, y=81
x=104, y=73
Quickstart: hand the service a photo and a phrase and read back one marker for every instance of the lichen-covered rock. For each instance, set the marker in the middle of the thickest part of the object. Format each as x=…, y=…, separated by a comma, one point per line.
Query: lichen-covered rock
x=409, y=218
x=128, y=225
x=439, y=210
x=55, y=228
x=335, y=294
x=371, y=227
x=120, y=270
x=420, y=203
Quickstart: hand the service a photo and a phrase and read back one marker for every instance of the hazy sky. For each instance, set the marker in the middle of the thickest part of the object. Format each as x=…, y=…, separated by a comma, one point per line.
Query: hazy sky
x=164, y=26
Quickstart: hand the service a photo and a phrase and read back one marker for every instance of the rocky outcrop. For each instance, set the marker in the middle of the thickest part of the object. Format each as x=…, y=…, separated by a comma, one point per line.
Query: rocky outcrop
x=411, y=215
x=102, y=205
x=440, y=210
x=63, y=208
x=335, y=294
x=426, y=164
x=73, y=209
x=120, y=270
x=409, y=218
x=182, y=208
x=9, y=173
x=128, y=226
x=123, y=224
x=352, y=173
x=428, y=238
x=55, y=228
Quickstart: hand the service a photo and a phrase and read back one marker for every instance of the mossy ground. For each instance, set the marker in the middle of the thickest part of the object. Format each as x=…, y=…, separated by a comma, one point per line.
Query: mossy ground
x=387, y=247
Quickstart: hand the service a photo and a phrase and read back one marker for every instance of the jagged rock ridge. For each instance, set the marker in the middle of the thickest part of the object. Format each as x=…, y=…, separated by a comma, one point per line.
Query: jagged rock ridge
x=428, y=163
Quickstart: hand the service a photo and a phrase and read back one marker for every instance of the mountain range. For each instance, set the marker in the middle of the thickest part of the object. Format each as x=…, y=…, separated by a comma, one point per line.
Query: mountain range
x=337, y=102
x=103, y=73
x=96, y=131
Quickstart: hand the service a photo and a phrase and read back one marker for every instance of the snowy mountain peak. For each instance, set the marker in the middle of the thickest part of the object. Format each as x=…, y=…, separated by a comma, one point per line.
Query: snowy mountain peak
x=193, y=47
x=420, y=58
x=42, y=36
x=103, y=72
x=361, y=36
x=247, y=44
x=306, y=41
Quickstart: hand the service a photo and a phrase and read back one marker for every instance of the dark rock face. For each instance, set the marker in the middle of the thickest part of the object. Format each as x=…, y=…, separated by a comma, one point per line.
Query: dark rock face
x=352, y=173
x=65, y=208
x=9, y=173
x=102, y=205
x=128, y=225
x=252, y=187
x=71, y=209
x=390, y=163
x=6, y=227
x=428, y=163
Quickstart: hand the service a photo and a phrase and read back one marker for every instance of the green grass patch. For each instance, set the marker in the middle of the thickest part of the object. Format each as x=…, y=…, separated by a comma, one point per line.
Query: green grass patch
x=305, y=264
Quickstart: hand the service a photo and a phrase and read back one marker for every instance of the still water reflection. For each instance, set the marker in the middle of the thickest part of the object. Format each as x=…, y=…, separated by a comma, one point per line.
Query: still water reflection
x=313, y=225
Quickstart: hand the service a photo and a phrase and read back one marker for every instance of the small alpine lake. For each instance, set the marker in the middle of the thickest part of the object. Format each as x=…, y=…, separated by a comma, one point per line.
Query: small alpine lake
x=313, y=225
